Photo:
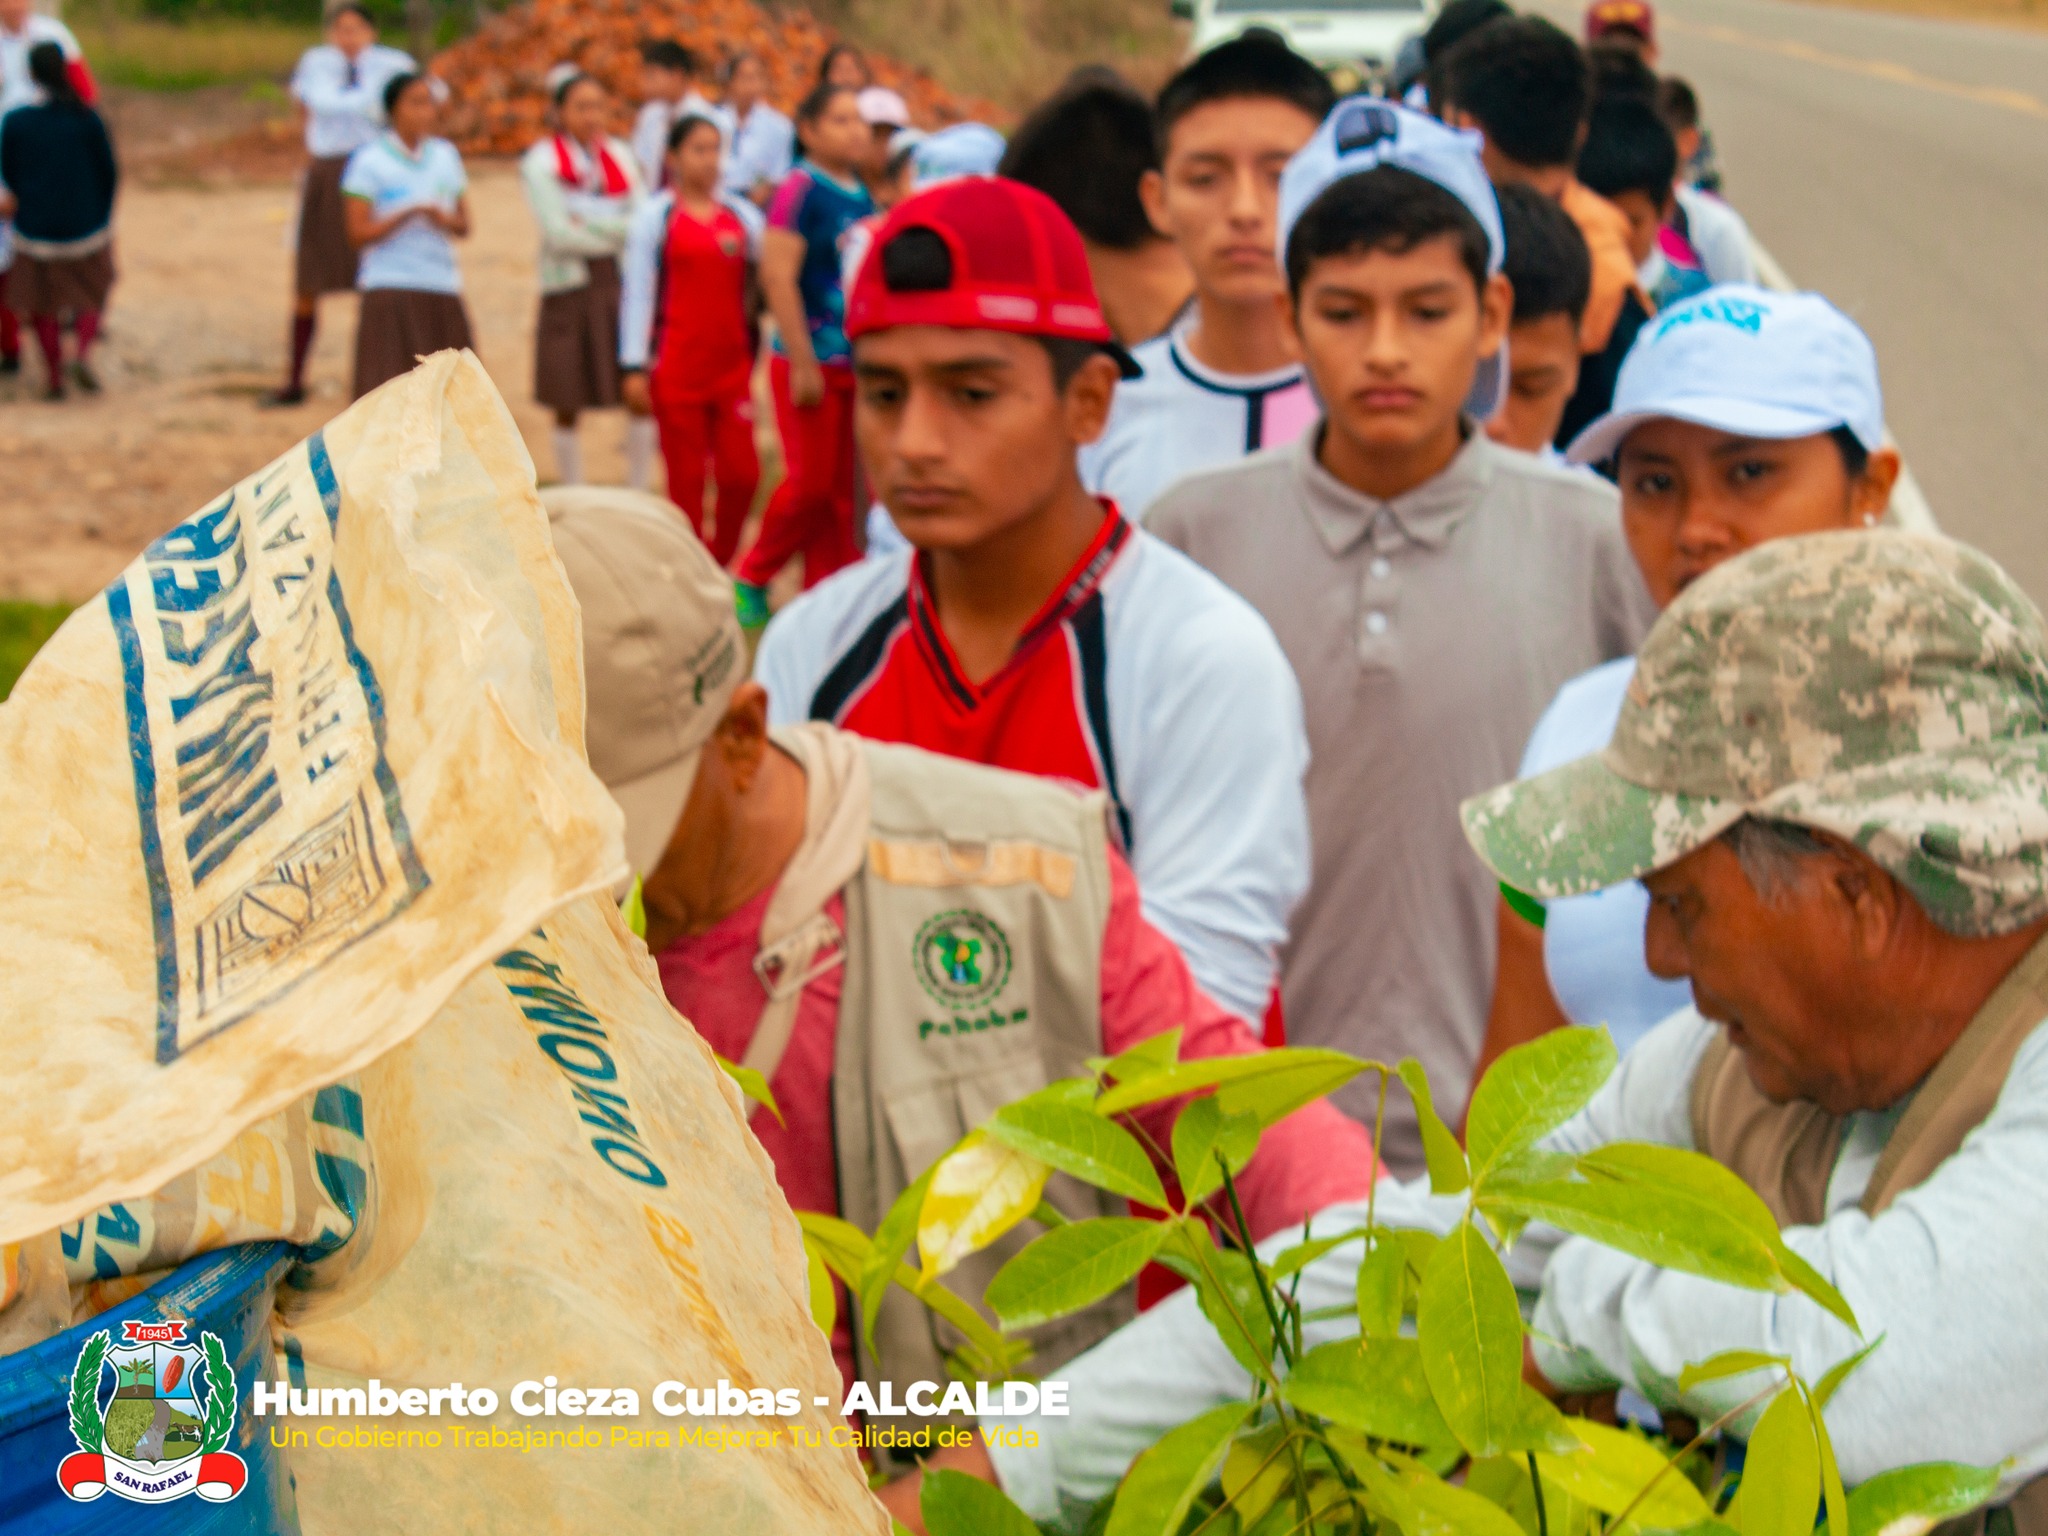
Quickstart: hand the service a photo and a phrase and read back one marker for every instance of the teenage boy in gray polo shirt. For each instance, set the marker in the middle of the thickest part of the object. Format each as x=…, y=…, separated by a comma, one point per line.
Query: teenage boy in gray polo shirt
x=1431, y=588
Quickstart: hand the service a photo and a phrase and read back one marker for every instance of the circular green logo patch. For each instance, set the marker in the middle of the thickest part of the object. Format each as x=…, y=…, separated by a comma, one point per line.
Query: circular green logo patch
x=962, y=958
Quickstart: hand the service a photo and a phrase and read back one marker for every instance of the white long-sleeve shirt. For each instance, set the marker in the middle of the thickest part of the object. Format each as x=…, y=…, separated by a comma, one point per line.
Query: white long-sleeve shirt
x=580, y=221
x=344, y=98
x=762, y=150
x=1949, y=1273
x=640, y=268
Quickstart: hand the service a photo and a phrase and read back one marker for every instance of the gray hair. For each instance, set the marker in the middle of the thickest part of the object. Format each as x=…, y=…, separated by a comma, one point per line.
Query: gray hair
x=1770, y=852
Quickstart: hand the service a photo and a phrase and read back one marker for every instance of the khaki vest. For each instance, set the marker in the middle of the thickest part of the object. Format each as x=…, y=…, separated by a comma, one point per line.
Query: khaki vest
x=973, y=945
x=1787, y=1152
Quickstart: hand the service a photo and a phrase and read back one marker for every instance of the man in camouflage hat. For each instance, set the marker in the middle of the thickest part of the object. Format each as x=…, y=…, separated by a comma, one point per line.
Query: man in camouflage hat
x=1831, y=771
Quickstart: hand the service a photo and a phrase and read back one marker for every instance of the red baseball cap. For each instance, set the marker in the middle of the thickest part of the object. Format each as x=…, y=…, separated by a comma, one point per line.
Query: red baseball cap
x=1605, y=16
x=1017, y=265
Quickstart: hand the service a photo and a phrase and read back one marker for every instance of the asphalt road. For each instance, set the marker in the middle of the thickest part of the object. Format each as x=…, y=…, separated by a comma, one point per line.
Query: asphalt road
x=1900, y=166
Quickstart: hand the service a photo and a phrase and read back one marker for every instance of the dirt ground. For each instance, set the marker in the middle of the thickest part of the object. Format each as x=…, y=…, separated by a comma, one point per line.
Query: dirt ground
x=195, y=333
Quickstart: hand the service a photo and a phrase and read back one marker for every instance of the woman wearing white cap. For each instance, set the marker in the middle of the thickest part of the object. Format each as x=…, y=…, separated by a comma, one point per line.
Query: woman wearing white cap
x=583, y=185
x=1739, y=417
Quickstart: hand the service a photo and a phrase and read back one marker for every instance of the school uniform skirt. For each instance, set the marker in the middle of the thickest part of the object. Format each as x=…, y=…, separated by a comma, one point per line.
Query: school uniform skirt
x=325, y=261
x=576, y=344
x=60, y=285
x=398, y=326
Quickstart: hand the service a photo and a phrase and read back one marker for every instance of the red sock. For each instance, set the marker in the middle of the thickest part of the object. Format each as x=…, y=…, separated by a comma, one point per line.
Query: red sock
x=52, y=340
x=85, y=325
x=302, y=347
x=10, y=324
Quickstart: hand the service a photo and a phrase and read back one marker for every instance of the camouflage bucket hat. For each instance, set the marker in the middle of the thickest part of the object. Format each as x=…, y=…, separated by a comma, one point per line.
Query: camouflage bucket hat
x=1889, y=688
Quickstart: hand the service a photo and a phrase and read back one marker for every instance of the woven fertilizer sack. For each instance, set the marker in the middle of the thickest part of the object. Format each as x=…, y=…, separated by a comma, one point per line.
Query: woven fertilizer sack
x=306, y=765
x=565, y=1195
x=305, y=932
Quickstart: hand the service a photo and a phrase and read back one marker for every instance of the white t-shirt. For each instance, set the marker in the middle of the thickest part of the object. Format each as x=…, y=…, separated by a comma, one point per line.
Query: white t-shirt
x=1593, y=945
x=16, y=88
x=1719, y=234
x=763, y=148
x=1182, y=416
x=416, y=255
x=345, y=105
x=1203, y=728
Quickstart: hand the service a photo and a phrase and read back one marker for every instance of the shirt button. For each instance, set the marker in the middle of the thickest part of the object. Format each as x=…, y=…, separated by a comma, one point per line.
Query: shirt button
x=1381, y=568
x=1376, y=623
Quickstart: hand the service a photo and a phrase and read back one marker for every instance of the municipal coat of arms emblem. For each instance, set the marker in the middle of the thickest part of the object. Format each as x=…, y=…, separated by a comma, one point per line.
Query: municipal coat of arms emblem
x=162, y=1432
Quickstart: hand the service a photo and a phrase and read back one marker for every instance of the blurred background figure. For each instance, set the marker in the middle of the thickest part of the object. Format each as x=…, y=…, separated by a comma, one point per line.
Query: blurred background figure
x=846, y=67
x=670, y=75
x=406, y=201
x=21, y=28
x=1630, y=24
x=811, y=373
x=583, y=187
x=339, y=89
x=687, y=333
x=887, y=114
x=57, y=179
x=1087, y=147
x=762, y=143
x=1552, y=273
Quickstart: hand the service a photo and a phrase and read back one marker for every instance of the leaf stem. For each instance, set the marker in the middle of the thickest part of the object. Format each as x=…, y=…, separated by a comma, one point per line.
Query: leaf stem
x=1231, y=1498
x=1694, y=1444
x=1244, y=1234
x=1536, y=1483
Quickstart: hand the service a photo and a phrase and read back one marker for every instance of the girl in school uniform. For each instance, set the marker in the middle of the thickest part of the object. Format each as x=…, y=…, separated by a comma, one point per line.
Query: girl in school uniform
x=339, y=88
x=687, y=341
x=58, y=175
x=407, y=204
x=22, y=27
x=583, y=187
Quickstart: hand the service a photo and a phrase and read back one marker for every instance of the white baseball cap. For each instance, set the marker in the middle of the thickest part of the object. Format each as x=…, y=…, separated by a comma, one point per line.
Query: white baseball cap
x=1747, y=361
x=964, y=149
x=881, y=107
x=1363, y=133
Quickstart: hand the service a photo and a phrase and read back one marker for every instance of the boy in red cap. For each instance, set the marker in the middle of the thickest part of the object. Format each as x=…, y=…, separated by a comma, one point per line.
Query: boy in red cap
x=1031, y=626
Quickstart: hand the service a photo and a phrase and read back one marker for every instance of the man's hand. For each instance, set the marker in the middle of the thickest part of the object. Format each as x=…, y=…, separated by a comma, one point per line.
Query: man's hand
x=901, y=1497
x=633, y=392
x=806, y=381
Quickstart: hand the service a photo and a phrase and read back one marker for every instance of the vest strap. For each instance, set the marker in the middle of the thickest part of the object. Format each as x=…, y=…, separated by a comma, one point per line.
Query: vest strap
x=799, y=942
x=1964, y=1085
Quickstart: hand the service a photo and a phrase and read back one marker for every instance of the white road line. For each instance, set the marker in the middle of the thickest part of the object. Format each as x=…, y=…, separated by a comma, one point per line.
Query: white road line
x=1909, y=508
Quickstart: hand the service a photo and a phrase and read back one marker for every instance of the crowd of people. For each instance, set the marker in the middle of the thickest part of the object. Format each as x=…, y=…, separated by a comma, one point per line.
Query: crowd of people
x=1457, y=585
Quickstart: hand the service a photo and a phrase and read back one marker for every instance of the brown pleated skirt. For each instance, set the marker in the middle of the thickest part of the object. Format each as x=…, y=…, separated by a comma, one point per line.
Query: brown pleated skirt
x=60, y=285
x=576, y=344
x=325, y=261
x=396, y=327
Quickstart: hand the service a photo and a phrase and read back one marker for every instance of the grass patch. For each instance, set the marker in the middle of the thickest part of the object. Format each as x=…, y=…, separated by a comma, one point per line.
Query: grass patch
x=148, y=53
x=23, y=629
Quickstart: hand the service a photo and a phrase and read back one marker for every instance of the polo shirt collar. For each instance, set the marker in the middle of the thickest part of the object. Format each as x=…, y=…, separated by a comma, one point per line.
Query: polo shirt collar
x=1427, y=515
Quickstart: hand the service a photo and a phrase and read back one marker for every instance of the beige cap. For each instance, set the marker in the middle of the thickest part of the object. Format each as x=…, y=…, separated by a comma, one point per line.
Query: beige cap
x=662, y=651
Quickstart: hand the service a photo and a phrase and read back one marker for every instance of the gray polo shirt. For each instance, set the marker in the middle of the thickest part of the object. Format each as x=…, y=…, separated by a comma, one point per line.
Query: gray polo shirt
x=1428, y=633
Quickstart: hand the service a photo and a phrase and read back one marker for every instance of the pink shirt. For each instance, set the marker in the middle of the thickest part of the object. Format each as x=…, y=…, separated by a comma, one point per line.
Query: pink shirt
x=1313, y=1158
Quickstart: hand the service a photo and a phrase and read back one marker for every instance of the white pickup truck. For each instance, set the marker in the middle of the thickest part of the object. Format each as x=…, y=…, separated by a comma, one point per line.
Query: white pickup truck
x=1353, y=40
